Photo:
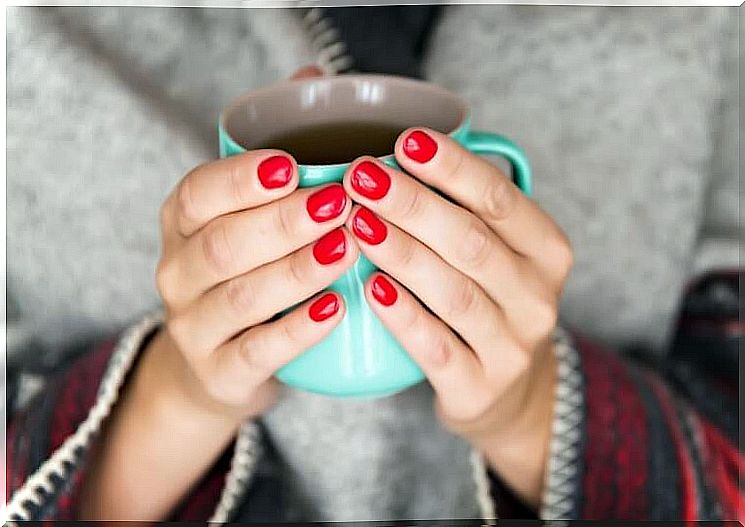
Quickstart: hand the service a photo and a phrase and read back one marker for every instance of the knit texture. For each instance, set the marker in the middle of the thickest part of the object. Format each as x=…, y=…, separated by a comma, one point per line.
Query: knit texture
x=614, y=107
x=624, y=446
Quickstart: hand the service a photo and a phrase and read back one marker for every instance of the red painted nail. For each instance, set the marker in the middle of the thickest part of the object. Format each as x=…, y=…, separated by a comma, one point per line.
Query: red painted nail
x=367, y=226
x=327, y=203
x=419, y=146
x=324, y=308
x=331, y=247
x=370, y=180
x=383, y=291
x=275, y=172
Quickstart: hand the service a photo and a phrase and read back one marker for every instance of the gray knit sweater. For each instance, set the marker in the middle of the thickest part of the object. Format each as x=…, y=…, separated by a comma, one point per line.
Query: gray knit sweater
x=626, y=113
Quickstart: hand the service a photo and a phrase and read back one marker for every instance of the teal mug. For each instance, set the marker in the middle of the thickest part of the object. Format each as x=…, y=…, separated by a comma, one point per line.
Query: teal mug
x=360, y=357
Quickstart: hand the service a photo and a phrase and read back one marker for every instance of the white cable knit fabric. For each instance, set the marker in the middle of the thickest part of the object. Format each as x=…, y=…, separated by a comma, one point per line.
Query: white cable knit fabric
x=563, y=471
x=247, y=449
x=245, y=455
x=69, y=453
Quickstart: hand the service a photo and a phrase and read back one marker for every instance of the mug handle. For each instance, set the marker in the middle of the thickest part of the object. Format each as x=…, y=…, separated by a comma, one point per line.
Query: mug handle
x=495, y=144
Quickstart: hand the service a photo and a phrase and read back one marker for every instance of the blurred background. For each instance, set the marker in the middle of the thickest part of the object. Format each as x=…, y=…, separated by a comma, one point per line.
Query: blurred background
x=629, y=115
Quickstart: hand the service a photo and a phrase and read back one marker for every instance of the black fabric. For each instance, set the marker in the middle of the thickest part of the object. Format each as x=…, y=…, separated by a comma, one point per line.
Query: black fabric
x=387, y=39
x=702, y=361
x=709, y=333
x=508, y=504
x=272, y=496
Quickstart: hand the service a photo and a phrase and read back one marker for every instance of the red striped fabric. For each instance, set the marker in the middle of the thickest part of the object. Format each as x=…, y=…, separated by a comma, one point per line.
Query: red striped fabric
x=727, y=471
x=689, y=492
x=616, y=440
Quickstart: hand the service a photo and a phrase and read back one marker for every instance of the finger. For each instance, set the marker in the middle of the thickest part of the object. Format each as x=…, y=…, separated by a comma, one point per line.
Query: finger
x=458, y=237
x=255, y=355
x=237, y=243
x=255, y=297
x=454, y=372
x=232, y=184
x=478, y=185
x=308, y=72
x=450, y=294
x=454, y=233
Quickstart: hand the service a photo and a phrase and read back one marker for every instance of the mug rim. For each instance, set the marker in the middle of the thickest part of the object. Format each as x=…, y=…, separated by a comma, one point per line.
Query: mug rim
x=462, y=106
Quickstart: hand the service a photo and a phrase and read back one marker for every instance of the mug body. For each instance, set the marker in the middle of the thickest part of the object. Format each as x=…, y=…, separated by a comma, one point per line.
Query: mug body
x=360, y=357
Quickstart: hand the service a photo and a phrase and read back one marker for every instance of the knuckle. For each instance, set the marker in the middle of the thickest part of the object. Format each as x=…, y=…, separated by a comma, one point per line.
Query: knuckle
x=477, y=406
x=516, y=361
x=250, y=349
x=237, y=187
x=482, y=403
x=545, y=315
x=164, y=278
x=463, y=299
x=165, y=214
x=520, y=360
x=407, y=252
x=515, y=366
x=420, y=337
x=453, y=163
x=412, y=318
x=298, y=273
x=475, y=248
x=291, y=333
x=178, y=330
x=283, y=219
x=216, y=247
x=187, y=208
x=240, y=295
x=500, y=198
x=213, y=387
x=413, y=204
x=564, y=255
x=439, y=347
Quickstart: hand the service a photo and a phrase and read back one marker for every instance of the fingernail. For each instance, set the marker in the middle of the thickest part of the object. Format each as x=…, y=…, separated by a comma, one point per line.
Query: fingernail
x=275, y=172
x=324, y=308
x=367, y=226
x=383, y=291
x=327, y=203
x=419, y=146
x=330, y=247
x=370, y=180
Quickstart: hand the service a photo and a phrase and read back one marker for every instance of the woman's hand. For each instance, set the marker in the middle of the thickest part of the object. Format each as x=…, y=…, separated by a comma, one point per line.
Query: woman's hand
x=489, y=266
x=241, y=245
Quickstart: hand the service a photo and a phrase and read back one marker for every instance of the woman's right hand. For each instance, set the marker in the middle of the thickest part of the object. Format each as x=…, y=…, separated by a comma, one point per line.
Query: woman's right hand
x=242, y=244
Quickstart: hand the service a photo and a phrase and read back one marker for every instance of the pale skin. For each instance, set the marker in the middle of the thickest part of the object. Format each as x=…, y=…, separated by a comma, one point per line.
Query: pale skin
x=487, y=263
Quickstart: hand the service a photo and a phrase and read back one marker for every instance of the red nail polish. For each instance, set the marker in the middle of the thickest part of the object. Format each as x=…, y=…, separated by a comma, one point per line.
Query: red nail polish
x=419, y=146
x=275, y=172
x=383, y=291
x=367, y=226
x=331, y=247
x=327, y=203
x=324, y=308
x=370, y=180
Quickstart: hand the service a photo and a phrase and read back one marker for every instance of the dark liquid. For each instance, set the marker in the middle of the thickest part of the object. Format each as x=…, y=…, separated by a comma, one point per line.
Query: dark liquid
x=333, y=143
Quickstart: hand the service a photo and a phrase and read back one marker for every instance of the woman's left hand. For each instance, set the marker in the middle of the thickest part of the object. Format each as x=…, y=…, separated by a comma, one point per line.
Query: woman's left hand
x=489, y=266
